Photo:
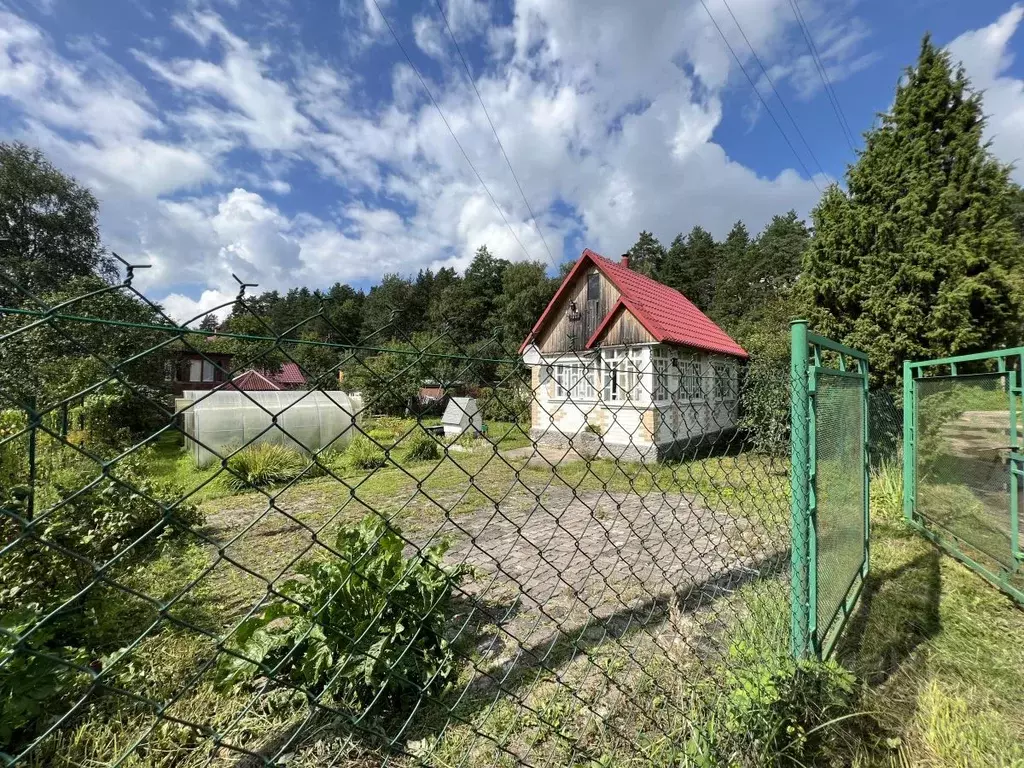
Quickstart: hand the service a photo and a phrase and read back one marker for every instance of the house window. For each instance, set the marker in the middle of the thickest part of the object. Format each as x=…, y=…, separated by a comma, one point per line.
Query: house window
x=201, y=370
x=725, y=382
x=622, y=379
x=690, y=387
x=574, y=380
x=594, y=286
x=661, y=380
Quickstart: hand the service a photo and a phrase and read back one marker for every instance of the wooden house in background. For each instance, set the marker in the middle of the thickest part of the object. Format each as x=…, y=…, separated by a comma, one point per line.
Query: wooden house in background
x=621, y=356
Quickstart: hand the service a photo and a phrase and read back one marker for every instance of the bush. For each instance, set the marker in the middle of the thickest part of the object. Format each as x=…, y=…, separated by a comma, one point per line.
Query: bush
x=13, y=453
x=778, y=711
x=96, y=524
x=363, y=453
x=261, y=465
x=31, y=686
x=420, y=446
x=366, y=626
x=504, y=404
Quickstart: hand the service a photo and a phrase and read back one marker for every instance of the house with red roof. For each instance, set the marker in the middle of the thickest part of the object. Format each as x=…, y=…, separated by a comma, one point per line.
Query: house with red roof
x=621, y=356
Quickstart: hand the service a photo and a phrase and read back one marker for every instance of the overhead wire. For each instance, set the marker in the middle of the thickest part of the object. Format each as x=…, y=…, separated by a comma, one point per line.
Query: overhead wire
x=487, y=114
x=760, y=98
x=447, y=125
x=833, y=99
x=778, y=95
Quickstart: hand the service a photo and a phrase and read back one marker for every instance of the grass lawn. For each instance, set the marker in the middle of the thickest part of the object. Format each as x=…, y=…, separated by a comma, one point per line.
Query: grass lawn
x=938, y=651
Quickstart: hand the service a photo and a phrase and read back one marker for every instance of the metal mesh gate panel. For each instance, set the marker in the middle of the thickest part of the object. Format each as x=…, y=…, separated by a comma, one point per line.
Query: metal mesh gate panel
x=839, y=489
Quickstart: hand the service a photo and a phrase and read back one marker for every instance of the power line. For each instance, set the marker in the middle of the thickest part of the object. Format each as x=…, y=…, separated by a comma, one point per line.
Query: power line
x=469, y=76
x=444, y=120
x=776, y=90
x=760, y=97
x=833, y=99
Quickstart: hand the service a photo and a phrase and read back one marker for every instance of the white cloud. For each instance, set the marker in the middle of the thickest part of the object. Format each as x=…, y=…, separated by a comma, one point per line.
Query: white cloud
x=603, y=143
x=429, y=36
x=986, y=58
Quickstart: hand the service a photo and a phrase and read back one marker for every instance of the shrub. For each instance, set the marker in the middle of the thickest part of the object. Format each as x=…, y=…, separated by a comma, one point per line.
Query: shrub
x=13, y=452
x=504, y=404
x=363, y=453
x=785, y=711
x=264, y=464
x=95, y=520
x=32, y=685
x=420, y=446
x=366, y=625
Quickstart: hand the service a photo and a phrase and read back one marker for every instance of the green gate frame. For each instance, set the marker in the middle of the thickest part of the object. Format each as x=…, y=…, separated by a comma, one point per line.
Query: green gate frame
x=914, y=371
x=806, y=366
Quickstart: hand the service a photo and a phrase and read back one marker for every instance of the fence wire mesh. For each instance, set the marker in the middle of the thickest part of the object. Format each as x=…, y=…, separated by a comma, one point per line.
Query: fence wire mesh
x=963, y=471
x=281, y=546
x=839, y=495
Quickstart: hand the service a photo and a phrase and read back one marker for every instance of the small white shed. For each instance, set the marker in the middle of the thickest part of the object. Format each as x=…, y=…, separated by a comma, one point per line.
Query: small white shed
x=462, y=416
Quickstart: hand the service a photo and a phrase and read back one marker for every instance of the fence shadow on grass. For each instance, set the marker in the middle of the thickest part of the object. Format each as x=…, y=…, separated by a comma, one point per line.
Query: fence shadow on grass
x=898, y=612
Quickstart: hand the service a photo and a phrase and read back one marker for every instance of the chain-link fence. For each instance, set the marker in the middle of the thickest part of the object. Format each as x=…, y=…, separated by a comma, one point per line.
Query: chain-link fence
x=964, y=479
x=283, y=546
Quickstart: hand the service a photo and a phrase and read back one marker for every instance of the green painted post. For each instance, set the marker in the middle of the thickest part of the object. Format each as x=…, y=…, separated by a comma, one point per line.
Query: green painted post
x=909, y=443
x=867, y=468
x=799, y=475
x=1011, y=465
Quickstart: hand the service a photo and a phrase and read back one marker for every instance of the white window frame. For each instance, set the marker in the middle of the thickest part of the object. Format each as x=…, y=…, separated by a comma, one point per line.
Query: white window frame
x=661, y=392
x=573, y=381
x=209, y=371
x=195, y=369
x=691, y=384
x=725, y=381
x=623, y=372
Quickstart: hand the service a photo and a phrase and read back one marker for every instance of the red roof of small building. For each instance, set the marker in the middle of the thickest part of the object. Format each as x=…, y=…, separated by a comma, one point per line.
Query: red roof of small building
x=290, y=374
x=667, y=315
x=254, y=381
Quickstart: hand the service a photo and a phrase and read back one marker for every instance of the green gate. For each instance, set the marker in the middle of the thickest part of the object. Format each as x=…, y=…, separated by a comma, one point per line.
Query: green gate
x=963, y=462
x=830, y=488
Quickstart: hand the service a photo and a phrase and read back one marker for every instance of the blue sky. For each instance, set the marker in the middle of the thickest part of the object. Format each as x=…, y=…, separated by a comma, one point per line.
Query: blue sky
x=293, y=143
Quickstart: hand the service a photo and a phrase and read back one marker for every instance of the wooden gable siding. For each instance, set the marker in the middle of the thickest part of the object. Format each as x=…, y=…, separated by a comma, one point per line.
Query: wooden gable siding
x=555, y=337
x=624, y=330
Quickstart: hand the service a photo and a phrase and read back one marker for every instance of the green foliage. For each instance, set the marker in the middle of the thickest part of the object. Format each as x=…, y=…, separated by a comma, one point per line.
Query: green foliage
x=367, y=625
x=646, y=255
x=777, y=711
x=48, y=221
x=13, y=451
x=690, y=266
x=504, y=404
x=921, y=256
x=362, y=453
x=382, y=436
x=525, y=292
x=388, y=381
x=32, y=681
x=420, y=446
x=92, y=515
x=262, y=465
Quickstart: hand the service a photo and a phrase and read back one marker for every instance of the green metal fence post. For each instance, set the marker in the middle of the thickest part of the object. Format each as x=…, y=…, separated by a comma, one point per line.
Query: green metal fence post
x=800, y=643
x=867, y=467
x=909, y=443
x=1011, y=465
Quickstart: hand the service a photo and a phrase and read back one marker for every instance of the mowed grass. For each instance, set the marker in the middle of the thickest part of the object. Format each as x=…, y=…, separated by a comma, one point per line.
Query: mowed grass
x=940, y=651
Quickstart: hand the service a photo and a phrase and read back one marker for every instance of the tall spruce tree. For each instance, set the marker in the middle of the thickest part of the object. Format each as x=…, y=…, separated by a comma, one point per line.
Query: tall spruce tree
x=646, y=254
x=732, y=278
x=689, y=266
x=916, y=258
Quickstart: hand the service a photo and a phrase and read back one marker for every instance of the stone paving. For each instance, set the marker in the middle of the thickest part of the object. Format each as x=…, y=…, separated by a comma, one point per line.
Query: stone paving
x=557, y=564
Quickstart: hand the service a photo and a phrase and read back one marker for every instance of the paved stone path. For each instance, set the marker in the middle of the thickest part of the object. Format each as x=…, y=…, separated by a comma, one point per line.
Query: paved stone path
x=555, y=564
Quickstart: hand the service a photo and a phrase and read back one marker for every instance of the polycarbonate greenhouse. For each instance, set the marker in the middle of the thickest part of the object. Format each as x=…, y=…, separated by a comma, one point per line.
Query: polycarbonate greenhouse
x=221, y=421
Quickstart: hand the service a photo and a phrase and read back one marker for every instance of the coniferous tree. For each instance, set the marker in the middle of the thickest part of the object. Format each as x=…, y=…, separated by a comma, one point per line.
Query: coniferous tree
x=915, y=259
x=646, y=254
x=732, y=276
x=689, y=266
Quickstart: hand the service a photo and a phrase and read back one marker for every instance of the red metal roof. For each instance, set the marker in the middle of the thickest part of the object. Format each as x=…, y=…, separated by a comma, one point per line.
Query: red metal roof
x=289, y=374
x=254, y=381
x=669, y=316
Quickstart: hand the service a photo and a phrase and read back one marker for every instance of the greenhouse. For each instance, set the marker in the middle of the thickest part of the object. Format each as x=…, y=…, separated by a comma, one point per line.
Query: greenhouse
x=217, y=423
